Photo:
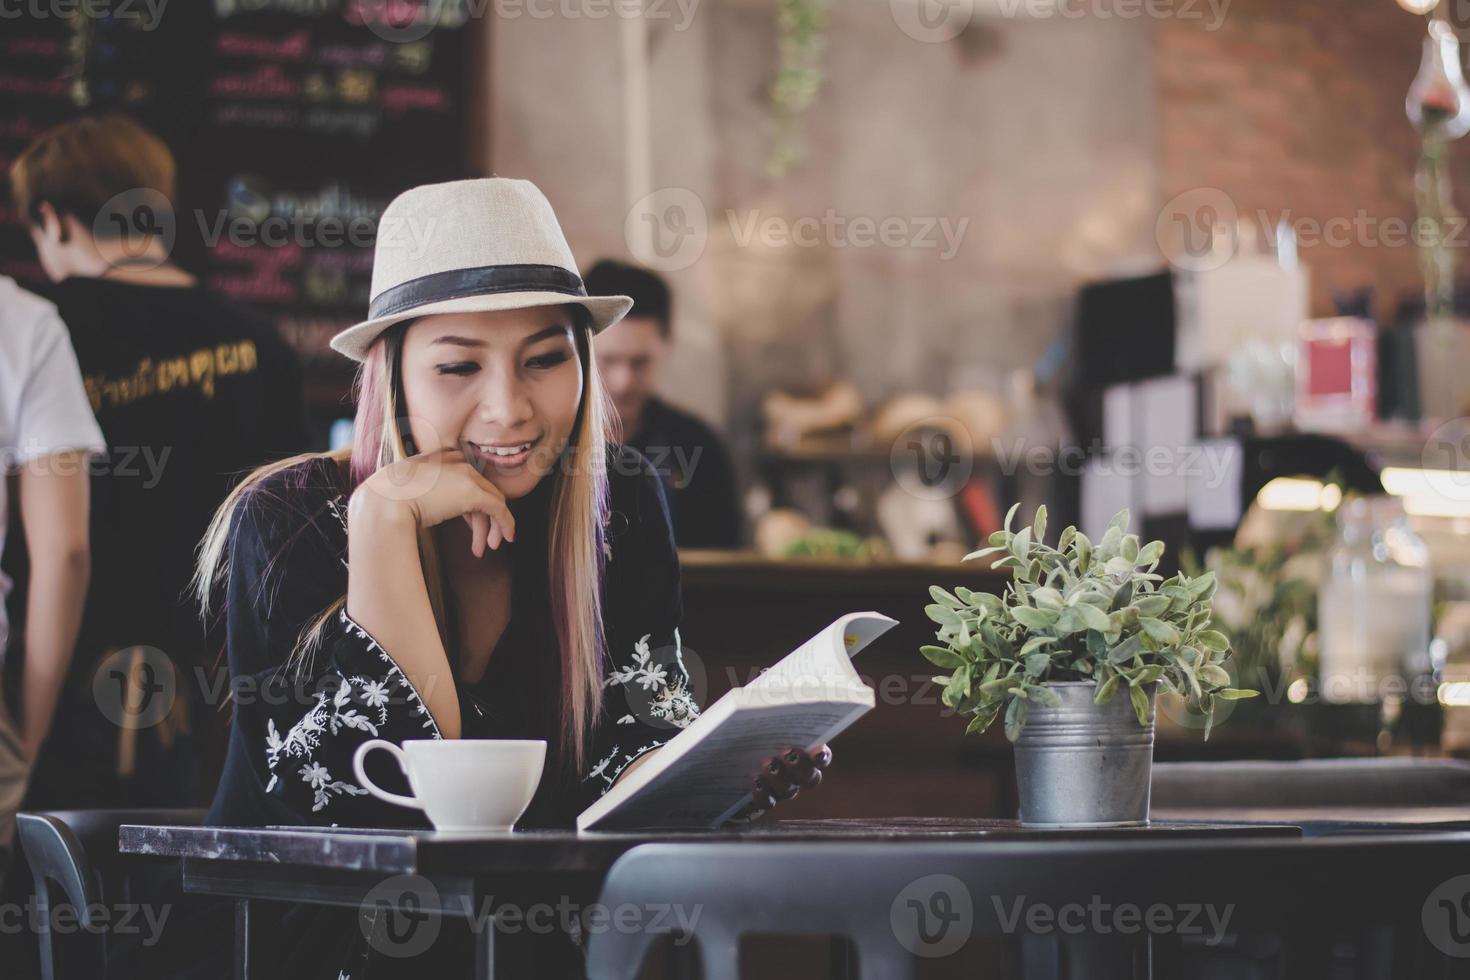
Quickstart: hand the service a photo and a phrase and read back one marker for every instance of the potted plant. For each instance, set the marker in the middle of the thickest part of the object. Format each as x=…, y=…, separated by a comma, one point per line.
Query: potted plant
x=1071, y=656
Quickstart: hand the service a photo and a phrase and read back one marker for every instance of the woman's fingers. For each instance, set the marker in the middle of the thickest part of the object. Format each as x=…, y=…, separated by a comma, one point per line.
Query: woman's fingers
x=784, y=775
x=492, y=502
x=804, y=768
x=761, y=796
x=453, y=487
x=777, y=781
x=799, y=768
x=479, y=530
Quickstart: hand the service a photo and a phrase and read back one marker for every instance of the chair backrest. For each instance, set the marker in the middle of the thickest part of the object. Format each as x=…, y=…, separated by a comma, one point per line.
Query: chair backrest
x=899, y=902
x=74, y=862
x=1312, y=782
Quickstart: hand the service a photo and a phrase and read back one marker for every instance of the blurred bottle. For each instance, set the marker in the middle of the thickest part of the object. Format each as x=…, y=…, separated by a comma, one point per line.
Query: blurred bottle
x=1374, y=608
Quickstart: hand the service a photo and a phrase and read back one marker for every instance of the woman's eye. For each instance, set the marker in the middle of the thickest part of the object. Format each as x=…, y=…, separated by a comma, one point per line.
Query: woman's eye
x=463, y=367
x=548, y=360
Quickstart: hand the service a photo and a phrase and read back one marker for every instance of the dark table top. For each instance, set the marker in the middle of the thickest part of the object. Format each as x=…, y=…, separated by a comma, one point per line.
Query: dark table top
x=550, y=851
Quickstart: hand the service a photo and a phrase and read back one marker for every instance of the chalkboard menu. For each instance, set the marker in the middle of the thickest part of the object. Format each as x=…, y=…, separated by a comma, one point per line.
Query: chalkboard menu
x=294, y=122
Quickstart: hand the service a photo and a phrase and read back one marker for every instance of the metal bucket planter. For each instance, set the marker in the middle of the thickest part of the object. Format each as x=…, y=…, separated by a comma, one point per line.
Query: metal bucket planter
x=1084, y=764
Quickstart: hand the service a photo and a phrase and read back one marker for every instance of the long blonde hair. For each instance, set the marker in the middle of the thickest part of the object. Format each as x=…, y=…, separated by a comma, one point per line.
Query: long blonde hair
x=578, y=516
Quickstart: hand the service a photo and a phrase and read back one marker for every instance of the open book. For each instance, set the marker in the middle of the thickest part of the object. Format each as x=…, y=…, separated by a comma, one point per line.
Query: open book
x=701, y=777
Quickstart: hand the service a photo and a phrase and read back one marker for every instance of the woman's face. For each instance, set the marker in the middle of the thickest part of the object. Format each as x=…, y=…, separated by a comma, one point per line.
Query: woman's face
x=505, y=387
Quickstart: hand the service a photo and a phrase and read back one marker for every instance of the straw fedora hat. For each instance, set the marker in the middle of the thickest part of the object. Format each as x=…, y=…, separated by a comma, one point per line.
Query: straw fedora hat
x=470, y=246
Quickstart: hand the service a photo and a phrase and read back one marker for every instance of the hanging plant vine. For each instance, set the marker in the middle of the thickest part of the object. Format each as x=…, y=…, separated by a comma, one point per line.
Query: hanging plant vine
x=801, y=27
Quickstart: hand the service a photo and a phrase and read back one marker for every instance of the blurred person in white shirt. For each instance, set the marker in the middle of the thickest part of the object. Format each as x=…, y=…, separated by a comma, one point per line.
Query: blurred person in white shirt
x=47, y=437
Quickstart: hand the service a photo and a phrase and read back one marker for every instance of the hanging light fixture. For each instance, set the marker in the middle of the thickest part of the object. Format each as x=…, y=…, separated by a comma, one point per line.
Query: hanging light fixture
x=1439, y=100
x=1438, y=104
x=1418, y=6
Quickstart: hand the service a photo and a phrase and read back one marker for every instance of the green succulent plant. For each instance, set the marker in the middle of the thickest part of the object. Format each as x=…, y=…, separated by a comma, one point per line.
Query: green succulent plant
x=1077, y=612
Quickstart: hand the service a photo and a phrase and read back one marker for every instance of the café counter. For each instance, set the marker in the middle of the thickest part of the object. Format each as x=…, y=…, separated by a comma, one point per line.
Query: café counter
x=743, y=612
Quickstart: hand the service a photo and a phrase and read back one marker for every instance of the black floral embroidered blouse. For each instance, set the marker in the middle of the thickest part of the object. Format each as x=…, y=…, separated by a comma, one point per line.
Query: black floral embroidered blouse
x=296, y=727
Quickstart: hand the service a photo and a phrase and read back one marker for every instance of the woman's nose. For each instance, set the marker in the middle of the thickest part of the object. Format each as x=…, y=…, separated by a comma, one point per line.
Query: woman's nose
x=504, y=402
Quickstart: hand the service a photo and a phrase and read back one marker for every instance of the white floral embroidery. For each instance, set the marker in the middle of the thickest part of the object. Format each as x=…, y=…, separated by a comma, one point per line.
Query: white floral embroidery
x=305, y=737
x=394, y=673
x=675, y=705
x=375, y=694
x=668, y=701
x=647, y=673
x=323, y=785
x=601, y=767
x=339, y=510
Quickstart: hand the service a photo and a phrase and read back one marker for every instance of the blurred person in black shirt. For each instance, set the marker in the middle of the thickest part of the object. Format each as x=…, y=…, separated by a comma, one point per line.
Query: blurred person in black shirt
x=191, y=390
x=690, y=458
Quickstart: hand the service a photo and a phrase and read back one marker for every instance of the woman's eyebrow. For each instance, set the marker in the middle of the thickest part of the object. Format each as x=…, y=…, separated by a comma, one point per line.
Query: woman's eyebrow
x=555, y=330
x=456, y=341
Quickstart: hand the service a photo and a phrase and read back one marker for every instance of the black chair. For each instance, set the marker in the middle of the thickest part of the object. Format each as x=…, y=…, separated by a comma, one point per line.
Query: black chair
x=1312, y=783
x=1336, y=906
x=74, y=862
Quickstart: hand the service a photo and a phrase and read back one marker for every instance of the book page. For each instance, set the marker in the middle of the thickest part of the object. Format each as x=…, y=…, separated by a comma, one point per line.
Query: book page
x=826, y=659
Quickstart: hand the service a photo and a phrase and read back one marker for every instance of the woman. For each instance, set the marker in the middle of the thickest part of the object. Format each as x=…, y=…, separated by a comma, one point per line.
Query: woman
x=482, y=564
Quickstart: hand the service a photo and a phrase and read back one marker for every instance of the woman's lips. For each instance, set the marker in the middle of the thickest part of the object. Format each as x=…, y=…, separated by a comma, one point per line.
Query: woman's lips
x=487, y=457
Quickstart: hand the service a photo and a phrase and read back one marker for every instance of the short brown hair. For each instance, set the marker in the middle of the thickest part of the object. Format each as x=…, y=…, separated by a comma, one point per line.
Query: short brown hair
x=79, y=166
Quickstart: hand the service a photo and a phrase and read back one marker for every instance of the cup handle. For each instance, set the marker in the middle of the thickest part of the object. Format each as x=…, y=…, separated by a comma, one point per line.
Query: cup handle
x=379, y=792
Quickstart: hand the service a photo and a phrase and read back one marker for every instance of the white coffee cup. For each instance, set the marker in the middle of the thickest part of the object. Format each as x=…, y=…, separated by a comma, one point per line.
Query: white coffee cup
x=463, y=784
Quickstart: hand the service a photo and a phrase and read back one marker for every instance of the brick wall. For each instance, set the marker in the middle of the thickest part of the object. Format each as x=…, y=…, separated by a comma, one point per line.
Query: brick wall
x=1295, y=107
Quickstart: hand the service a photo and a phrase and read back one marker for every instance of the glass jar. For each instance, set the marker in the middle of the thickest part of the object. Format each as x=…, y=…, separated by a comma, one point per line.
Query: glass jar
x=1374, y=607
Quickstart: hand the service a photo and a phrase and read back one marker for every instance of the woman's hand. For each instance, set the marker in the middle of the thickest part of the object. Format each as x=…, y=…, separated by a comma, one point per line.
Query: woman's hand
x=433, y=488
x=783, y=775
x=386, y=593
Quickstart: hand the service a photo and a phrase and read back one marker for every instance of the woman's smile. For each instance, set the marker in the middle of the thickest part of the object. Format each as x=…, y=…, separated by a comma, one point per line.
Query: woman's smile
x=502, y=456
